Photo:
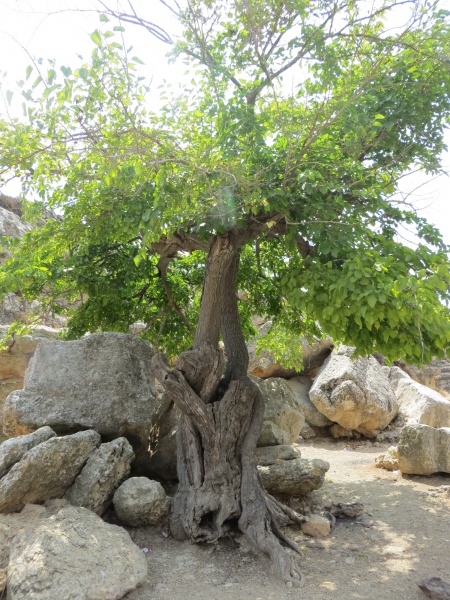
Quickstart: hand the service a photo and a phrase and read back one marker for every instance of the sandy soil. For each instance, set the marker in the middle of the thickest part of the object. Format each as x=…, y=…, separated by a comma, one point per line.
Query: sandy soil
x=403, y=537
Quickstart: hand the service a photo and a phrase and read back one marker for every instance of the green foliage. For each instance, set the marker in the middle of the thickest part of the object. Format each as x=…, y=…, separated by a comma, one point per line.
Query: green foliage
x=309, y=173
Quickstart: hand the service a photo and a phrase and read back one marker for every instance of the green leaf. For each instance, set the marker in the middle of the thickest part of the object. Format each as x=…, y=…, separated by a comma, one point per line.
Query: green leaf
x=371, y=300
x=9, y=95
x=96, y=38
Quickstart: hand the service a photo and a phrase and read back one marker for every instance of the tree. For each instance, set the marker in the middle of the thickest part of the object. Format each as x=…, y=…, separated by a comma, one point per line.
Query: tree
x=237, y=185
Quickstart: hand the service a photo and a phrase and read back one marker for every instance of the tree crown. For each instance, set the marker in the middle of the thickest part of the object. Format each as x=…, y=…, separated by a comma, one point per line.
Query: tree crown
x=305, y=177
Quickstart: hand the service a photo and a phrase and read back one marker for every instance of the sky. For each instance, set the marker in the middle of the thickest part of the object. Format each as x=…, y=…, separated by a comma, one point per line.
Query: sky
x=50, y=29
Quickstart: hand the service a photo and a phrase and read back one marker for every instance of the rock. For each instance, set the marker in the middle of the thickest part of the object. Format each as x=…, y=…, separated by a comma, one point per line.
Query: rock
x=356, y=394
x=272, y=435
x=263, y=364
x=15, y=358
x=272, y=454
x=11, y=225
x=105, y=470
x=337, y=432
x=316, y=526
x=139, y=502
x=421, y=404
x=300, y=386
x=435, y=375
x=76, y=556
x=281, y=409
x=435, y=588
x=345, y=509
x=307, y=432
x=297, y=476
x=11, y=451
x=423, y=450
x=395, y=375
x=102, y=381
x=47, y=470
x=392, y=436
x=389, y=460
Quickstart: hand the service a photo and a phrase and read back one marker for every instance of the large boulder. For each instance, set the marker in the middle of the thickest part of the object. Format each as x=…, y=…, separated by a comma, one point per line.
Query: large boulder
x=420, y=404
x=105, y=470
x=11, y=451
x=76, y=556
x=298, y=476
x=300, y=387
x=423, y=450
x=140, y=501
x=102, y=381
x=356, y=394
x=281, y=410
x=47, y=470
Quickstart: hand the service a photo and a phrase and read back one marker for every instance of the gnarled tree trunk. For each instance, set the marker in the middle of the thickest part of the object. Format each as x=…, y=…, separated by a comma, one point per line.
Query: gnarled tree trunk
x=222, y=416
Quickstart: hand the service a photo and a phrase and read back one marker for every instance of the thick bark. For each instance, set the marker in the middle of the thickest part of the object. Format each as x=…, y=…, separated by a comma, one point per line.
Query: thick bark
x=220, y=426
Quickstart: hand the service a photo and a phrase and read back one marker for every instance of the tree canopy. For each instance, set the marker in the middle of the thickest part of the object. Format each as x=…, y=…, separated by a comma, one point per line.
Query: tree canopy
x=306, y=174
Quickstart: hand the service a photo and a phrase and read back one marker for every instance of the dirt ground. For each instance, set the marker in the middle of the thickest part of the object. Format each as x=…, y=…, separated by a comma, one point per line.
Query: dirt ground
x=402, y=537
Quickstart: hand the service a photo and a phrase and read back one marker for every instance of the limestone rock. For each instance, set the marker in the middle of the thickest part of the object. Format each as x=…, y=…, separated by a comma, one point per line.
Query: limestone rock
x=389, y=460
x=423, y=450
x=11, y=451
x=435, y=375
x=272, y=435
x=140, y=501
x=11, y=225
x=395, y=375
x=354, y=393
x=307, y=432
x=104, y=471
x=297, y=476
x=76, y=556
x=316, y=526
x=102, y=381
x=281, y=409
x=47, y=470
x=421, y=404
x=272, y=454
x=300, y=386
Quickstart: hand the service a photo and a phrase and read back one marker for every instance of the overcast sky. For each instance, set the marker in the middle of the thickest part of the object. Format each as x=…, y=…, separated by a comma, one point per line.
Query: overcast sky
x=45, y=28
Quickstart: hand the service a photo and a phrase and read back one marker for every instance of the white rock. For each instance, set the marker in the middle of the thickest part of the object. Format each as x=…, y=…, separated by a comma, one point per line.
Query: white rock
x=140, y=501
x=104, y=471
x=423, y=450
x=74, y=555
x=354, y=393
x=421, y=404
